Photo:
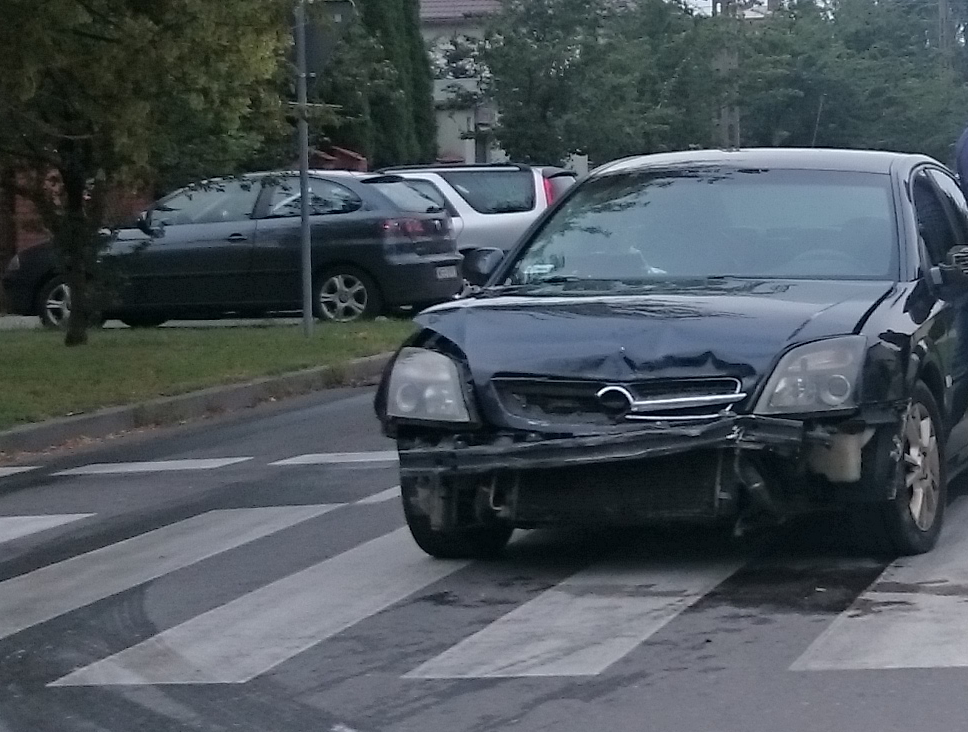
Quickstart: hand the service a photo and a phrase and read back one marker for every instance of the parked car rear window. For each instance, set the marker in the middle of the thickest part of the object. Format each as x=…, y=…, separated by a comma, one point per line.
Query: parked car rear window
x=494, y=191
x=406, y=197
x=428, y=189
x=649, y=225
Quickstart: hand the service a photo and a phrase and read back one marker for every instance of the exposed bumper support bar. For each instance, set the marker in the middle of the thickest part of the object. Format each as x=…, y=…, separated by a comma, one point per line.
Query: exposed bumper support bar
x=742, y=432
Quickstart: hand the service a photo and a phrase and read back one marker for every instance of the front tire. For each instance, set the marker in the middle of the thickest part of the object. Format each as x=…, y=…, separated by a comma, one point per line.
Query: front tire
x=53, y=305
x=911, y=522
x=472, y=542
x=344, y=295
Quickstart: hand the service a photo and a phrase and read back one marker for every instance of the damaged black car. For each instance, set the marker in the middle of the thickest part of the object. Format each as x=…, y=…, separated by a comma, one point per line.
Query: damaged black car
x=732, y=337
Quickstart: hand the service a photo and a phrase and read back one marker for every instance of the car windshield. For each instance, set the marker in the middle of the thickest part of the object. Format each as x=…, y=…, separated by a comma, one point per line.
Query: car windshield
x=647, y=227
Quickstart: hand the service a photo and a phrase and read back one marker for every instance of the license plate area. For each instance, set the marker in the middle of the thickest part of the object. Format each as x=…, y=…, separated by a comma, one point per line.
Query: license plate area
x=446, y=273
x=629, y=493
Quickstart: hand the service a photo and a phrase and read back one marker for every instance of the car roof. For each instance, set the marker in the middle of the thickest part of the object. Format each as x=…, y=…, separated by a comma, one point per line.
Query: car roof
x=860, y=161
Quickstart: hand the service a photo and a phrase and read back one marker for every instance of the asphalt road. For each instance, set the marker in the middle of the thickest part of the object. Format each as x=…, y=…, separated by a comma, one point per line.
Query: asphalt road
x=251, y=573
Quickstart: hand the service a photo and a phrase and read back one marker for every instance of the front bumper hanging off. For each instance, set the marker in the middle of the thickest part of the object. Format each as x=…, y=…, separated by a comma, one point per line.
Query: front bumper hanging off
x=454, y=458
x=732, y=466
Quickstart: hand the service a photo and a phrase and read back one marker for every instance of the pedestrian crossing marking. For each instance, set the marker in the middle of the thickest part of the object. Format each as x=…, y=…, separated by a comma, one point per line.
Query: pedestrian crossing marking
x=258, y=631
x=16, y=527
x=583, y=625
x=152, y=466
x=388, y=495
x=915, y=615
x=15, y=470
x=341, y=458
x=56, y=589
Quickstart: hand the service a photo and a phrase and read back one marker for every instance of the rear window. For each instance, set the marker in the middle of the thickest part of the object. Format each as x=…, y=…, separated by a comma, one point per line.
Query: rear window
x=407, y=198
x=428, y=189
x=494, y=191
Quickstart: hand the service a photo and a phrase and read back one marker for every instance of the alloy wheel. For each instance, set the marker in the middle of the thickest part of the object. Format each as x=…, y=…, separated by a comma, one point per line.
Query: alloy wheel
x=58, y=304
x=342, y=298
x=922, y=466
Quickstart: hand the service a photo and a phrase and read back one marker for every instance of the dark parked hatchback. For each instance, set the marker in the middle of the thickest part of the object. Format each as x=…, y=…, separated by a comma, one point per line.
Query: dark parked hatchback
x=232, y=247
x=731, y=337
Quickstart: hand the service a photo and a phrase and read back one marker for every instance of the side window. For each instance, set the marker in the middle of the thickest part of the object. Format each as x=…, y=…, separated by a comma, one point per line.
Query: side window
x=956, y=200
x=326, y=197
x=214, y=202
x=933, y=222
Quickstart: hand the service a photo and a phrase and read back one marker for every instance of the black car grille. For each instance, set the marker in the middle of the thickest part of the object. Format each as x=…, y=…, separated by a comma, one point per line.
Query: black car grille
x=563, y=401
x=630, y=492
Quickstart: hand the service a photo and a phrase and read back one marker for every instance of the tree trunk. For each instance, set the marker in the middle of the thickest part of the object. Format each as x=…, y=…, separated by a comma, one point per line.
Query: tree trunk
x=8, y=221
x=75, y=242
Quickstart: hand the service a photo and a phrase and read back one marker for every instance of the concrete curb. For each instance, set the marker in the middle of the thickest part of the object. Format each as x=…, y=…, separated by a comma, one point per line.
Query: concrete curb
x=184, y=407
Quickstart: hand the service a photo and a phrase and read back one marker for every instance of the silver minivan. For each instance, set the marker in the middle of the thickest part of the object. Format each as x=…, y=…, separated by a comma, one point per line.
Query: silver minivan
x=490, y=205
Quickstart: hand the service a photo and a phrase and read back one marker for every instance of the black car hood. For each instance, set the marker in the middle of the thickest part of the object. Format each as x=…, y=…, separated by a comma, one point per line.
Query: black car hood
x=735, y=329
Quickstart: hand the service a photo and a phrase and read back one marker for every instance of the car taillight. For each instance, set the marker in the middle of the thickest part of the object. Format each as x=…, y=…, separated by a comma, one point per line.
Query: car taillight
x=404, y=227
x=549, y=191
x=400, y=235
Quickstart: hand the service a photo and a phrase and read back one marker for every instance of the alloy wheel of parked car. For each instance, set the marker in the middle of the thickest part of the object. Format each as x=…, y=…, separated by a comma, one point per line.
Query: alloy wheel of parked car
x=911, y=522
x=54, y=304
x=922, y=467
x=344, y=295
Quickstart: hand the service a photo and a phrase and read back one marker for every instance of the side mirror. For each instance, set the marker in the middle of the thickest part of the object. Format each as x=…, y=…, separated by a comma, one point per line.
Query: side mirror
x=953, y=274
x=480, y=264
x=145, y=224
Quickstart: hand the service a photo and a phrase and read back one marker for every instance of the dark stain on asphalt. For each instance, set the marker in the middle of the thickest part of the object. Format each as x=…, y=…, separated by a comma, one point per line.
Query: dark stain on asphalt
x=774, y=588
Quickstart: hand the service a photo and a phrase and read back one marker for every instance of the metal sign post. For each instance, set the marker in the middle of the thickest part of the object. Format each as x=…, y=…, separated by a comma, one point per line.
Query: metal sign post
x=302, y=111
x=323, y=45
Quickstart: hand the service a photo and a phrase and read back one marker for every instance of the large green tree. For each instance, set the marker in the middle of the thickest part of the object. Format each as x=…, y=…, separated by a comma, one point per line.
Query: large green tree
x=380, y=80
x=600, y=77
x=100, y=95
x=612, y=78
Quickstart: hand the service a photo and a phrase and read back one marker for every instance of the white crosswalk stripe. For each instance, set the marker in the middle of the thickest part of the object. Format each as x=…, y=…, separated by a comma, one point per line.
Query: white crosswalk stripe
x=341, y=458
x=153, y=466
x=15, y=470
x=583, y=625
x=258, y=631
x=59, y=588
x=15, y=527
x=388, y=495
x=914, y=616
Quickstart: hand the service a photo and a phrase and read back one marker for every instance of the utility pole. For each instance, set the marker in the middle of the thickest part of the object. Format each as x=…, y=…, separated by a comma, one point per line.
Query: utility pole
x=302, y=112
x=945, y=34
x=726, y=65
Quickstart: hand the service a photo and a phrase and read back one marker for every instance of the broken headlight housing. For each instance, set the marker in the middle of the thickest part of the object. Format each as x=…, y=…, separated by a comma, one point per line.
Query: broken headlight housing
x=816, y=377
x=426, y=386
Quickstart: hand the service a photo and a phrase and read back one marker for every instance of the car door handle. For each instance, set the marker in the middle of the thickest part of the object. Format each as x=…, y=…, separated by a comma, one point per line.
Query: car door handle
x=238, y=237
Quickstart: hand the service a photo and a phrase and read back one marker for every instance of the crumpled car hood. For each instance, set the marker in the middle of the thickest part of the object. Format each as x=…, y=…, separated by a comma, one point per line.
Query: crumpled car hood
x=736, y=330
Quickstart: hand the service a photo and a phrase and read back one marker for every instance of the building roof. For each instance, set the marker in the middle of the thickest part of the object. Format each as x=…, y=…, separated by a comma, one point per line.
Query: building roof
x=442, y=11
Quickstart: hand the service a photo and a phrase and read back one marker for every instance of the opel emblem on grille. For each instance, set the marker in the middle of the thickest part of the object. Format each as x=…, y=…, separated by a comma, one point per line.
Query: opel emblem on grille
x=615, y=399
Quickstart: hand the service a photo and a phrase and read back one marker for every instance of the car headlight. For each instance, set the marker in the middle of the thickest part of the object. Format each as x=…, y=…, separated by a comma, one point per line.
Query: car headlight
x=815, y=377
x=426, y=385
